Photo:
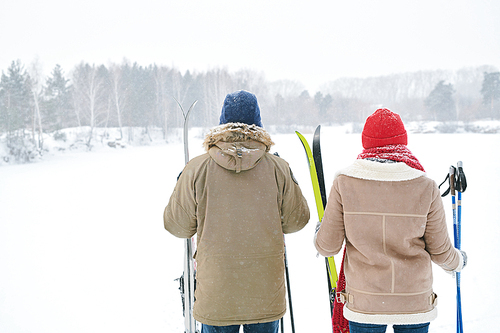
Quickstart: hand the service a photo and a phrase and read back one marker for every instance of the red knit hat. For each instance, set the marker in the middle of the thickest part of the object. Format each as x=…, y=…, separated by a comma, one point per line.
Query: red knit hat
x=383, y=128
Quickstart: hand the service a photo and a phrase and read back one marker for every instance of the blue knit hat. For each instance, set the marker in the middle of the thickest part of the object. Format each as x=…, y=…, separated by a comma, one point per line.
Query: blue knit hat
x=240, y=107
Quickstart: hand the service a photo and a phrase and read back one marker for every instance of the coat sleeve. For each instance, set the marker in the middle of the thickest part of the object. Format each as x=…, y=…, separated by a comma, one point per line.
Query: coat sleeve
x=294, y=208
x=436, y=237
x=179, y=217
x=330, y=236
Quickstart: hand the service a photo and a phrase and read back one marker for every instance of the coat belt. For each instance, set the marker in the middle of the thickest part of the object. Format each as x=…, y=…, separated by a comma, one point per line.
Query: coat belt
x=345, y=297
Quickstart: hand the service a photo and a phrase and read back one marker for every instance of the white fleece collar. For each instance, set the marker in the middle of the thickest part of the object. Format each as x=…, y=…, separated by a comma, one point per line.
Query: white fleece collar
x=372, y=170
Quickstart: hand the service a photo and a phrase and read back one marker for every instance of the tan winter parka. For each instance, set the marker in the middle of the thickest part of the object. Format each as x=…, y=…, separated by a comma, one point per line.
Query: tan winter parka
x=393, y=222
x=239, y=199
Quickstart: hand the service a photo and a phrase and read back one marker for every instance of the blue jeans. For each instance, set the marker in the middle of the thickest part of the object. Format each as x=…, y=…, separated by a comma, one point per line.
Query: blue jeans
x=373, y=328
x=271, y=327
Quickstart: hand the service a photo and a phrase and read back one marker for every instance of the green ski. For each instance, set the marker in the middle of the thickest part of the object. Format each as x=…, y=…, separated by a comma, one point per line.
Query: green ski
x=331, y=270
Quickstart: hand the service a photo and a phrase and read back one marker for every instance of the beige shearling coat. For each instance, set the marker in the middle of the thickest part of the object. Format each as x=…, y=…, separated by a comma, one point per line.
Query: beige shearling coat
x=239, y=199
x=392, y=219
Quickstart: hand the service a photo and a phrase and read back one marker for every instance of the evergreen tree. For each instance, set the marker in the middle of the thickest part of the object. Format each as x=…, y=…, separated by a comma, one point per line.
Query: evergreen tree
x=305, y=105
x=15, y=112
x=318, y=98
x=56, y=106
x=193, y=90
x=440, y=102
x=141, y=96
x=491, y=93
x=323, y=103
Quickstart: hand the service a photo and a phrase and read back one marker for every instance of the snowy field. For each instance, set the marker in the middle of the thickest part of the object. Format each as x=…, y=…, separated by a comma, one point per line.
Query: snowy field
x=83, y=248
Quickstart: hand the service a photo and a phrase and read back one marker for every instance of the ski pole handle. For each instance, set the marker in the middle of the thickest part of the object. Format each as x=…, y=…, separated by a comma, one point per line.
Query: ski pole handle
x=461, y=180
x=452, y=180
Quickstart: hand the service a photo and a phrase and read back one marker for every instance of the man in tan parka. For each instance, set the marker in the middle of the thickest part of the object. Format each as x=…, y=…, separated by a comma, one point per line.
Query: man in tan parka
x=392, y=219
x=239, y=199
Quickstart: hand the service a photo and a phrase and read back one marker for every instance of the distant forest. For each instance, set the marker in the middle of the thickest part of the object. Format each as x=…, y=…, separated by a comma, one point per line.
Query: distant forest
x=130, y=95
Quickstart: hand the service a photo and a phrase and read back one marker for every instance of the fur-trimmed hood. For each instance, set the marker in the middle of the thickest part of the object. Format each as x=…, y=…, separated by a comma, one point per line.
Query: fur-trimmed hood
x=237, y=146
x=237, y=132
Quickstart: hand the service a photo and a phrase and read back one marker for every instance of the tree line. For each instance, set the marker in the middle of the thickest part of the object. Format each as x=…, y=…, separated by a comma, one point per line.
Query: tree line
x=129, y=95
x=465, y=95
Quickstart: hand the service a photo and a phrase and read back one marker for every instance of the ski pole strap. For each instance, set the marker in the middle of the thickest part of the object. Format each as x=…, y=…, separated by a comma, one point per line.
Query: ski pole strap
x=445, y=193
x=451, y=178
x=461, y=184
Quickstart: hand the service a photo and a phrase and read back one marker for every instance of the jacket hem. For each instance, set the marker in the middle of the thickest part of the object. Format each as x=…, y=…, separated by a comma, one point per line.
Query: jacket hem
x=390, y=319
x=237, y=321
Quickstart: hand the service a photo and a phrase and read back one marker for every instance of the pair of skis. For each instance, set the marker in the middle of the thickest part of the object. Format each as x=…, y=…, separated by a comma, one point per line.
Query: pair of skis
x=314, y=160
x=187, y=281
x=458, y=184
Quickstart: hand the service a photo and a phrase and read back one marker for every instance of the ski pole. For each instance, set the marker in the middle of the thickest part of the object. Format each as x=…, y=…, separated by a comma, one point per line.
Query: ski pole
x=459, y=294
x=460, y=187
x=455, y=234
x=457, y=184
x=289, y=294
x=289, y=290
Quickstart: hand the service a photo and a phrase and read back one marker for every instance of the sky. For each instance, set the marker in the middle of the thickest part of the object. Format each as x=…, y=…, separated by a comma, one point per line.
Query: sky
x=312, y=42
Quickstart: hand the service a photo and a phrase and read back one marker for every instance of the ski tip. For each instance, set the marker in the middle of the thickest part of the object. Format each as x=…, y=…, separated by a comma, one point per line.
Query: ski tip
x=318, y=129
x=179, y=104
x=301, y=137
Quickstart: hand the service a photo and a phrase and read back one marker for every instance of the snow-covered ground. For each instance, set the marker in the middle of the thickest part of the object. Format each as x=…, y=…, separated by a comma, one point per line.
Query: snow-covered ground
x=83, y=249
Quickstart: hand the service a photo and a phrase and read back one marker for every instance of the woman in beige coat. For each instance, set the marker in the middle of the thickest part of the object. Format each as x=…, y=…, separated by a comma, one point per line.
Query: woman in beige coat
x=239, y=199
x=392, y=219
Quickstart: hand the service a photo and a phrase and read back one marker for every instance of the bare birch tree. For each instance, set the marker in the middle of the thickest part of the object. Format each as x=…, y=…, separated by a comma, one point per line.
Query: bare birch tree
x=118, y=93
x=36, y=87
x=89, y=95
x=217, y=84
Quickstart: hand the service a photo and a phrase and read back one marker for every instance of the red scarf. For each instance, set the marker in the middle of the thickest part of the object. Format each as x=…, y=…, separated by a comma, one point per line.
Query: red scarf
x=398, y=153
